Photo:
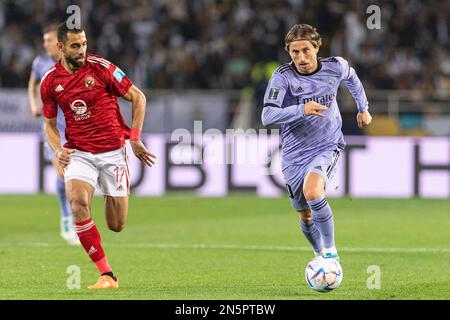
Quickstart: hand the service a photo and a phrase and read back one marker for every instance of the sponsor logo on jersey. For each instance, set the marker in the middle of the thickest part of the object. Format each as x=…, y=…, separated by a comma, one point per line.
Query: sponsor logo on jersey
x=80, y=109
x=326, y=99
x=89, y=81
x=118, y=74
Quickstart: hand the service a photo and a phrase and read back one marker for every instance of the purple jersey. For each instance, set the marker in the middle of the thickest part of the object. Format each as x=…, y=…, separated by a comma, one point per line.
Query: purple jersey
x=304, y=137
x=41, y=64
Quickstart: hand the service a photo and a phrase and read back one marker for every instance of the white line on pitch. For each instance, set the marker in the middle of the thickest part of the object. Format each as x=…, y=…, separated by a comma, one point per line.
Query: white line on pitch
x=233, y=247
x=273, y=248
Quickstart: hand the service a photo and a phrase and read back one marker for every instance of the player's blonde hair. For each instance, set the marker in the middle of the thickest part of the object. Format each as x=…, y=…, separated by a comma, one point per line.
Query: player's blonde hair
x=302, y=32
x=53, y=27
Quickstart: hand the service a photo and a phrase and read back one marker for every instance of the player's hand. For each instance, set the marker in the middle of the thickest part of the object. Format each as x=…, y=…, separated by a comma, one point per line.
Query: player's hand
x=36, y=111
x=139, y=150
x=63, y=156
x=312, y=108
x=363, y=119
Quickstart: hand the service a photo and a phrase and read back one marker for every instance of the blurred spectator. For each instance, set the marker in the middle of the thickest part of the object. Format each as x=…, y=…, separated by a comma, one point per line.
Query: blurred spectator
x=215, y=44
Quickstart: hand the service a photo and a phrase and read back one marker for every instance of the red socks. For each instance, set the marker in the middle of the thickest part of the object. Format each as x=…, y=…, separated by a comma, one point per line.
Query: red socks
x=92, y=243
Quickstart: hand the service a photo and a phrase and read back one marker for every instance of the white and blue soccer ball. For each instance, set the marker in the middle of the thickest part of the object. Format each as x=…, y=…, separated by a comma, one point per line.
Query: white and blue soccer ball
x=324, y=274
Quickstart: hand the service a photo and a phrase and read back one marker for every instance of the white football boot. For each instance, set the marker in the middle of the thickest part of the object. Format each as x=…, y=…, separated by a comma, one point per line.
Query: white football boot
x=68, y=232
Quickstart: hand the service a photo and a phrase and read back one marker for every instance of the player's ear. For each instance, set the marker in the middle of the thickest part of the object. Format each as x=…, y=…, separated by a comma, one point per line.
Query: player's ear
x=316, y=49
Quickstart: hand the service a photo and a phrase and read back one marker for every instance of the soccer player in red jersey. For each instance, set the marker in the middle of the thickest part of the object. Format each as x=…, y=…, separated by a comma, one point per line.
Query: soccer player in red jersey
x=86, y=88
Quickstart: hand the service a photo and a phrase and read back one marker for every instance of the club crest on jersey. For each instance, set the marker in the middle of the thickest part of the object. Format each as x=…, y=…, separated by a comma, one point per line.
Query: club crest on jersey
x=118, y=74
x=89, y=82
x=80, y=108
x=330, y=82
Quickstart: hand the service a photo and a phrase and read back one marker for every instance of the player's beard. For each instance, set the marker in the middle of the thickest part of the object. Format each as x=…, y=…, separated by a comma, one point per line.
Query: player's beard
x=77, y=63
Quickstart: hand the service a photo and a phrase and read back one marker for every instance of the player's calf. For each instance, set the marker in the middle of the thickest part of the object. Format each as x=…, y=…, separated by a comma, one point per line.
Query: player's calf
x=116, y=212
x=323, y=219
x=310, y=231
x=322, y=214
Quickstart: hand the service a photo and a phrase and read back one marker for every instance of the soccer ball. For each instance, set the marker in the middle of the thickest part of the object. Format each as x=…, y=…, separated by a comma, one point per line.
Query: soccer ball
x=324, y=274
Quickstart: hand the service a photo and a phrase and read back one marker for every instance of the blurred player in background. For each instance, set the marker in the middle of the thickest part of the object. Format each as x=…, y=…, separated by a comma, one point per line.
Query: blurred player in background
x=86, y=87
x=41, y=65
x=301, y=96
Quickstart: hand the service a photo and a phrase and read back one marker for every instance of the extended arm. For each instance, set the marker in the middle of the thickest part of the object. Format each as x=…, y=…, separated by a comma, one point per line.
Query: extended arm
x=138, y=105
x=32, y=96
x=54, y=140
x=52, y=133
x=273, y=115
x=355, y=87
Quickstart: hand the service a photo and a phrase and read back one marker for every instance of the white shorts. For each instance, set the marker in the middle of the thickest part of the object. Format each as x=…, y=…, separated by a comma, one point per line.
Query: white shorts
x=107, y=170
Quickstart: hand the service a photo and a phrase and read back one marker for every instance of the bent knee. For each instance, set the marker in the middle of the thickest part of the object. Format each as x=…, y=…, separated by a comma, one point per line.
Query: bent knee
x=80, y=208
x=305, y=215
x=313, y=193
x=116, y=227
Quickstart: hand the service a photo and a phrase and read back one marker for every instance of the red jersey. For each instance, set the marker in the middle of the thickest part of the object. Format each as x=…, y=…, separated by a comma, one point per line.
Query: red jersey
x=88, y=99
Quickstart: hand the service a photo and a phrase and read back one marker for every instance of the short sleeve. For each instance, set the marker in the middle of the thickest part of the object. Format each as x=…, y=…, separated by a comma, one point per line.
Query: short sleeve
x=118, y=82
x=49, y=105
x=345, y=68
x=276, y=90
x=35, y=69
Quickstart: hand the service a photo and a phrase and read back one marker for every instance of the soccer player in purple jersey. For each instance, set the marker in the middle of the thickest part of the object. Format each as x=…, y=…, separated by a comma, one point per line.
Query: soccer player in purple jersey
x=301, y=97
x=41, y=64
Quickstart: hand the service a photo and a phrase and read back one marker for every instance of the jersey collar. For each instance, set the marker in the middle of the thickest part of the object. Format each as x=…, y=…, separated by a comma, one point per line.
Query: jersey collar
x=319, y=67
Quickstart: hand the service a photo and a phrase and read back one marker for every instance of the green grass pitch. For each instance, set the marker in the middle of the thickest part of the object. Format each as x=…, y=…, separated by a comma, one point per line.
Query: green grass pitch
x=238, y=247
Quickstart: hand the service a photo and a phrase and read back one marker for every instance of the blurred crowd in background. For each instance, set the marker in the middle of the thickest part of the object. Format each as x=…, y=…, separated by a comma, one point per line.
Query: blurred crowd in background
x=237, y=44
x=226, y=44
